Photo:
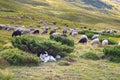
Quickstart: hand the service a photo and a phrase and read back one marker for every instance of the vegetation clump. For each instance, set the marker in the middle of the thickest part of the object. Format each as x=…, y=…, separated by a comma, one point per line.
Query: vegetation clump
x=90, y=55
x=62, y=39
x=38, y=45
x=112, y=53
x=18, y=57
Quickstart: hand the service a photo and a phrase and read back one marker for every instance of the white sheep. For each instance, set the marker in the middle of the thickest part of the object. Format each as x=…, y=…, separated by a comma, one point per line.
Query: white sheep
x=95, y=41
x=104, y=42
x=95, y=36
x=45, y=57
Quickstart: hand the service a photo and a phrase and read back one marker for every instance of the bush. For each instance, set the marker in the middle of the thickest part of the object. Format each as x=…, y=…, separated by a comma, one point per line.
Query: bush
x=17, y=57
x=114, y=59
x=37, y=45
x=62, y=39
x=5, y=75
x=90, y=55
x=88, y=33
x=112, y=53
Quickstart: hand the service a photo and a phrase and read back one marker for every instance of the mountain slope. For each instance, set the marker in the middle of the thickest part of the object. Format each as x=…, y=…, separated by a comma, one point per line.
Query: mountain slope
x=99, y=13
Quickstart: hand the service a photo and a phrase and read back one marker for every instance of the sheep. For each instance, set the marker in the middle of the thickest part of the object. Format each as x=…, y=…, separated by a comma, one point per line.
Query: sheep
x=83, y=39
x=56, y=33
x=95, y=41
x=26, y=31
x=36, y=32
x=64, y=31
x=2, y=26
x=64, y=35
x=45, y=57
x=19, y=29
x=31, y=27
x=95, y=36
x=45, y=31
x=9, y=28
x=52, y=31
x=73, y=32
x=104, y=42
x=16, y=33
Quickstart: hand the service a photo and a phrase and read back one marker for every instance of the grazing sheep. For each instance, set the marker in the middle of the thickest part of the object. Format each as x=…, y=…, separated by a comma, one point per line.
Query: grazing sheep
x=64, y=35
x=95, y=36
x=64, y=31
x=95, y=41
x=45, y=31
x=16, y=33
x=25, y=31
x=104, y=42
x=20, y=29
x=73, y=32
x=31, y=27
x=56, y=33
x=52, y=31
x=2, y=26
x=83, y=39
x=36, y=32
x=8, y=28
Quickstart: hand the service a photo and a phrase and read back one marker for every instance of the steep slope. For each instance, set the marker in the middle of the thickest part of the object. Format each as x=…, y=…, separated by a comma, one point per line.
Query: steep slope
x=94, y=13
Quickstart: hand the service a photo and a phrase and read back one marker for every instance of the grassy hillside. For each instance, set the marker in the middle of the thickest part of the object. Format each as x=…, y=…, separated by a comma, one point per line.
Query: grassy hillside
x=73, y=13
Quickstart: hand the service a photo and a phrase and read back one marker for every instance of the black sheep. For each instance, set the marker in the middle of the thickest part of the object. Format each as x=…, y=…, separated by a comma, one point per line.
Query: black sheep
x=64, y=35
x=36, y=32
x=52, y=31
x=83, y=40
x=16, y=33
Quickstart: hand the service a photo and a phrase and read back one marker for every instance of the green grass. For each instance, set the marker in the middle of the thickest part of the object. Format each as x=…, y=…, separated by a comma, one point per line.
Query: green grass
x=60, y=11
x=75, y=15
x=79, y=69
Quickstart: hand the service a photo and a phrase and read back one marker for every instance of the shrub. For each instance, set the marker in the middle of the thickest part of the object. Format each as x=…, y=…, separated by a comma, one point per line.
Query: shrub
x=112, y=53
x=88, y=33
x=62, y=39
x=5, y=75
x=17, y=57
x=37, y=45
x=114, y=59
x=90, y=55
